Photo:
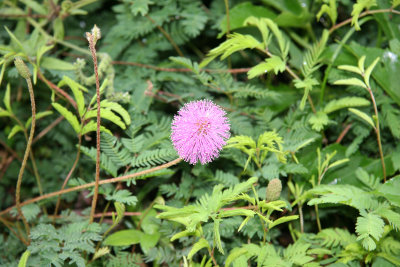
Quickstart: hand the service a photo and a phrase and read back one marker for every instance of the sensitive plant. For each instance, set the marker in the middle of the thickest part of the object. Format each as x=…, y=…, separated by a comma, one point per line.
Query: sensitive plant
x=287, y=114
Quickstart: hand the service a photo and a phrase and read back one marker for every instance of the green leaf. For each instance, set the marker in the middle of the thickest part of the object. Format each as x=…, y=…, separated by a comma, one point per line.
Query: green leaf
x=183, y=234
x=308, y=84
x=15, y=39
x=318, y=121
x=351, y=81
x=283, y=220
x=114, y=106
x=369, y=70
x=345, y=102
x=41, y=51
x=395, y=3
x=106, y=113
x=202, y=243
x=234, y=43
x=4, y=113
x=148, y=241
x=76, y=90
x=35, y=6
x=237, y=212
x=124, y=238
x=235, y=253
x=274, y=63
x=330, y=10
x=52, y=63
x=92, y=127
x=390, y=190
x=17, y=128
x=363, y=116
x=369, y=226
x=241, y=12
x=39, y=115
x=101, y=252
x=350, y=68
x=217, y=236
x=58, y=28
x=71, y=118
x=24, y=258
x=357, y=8
x=6, y=99
x=140, y=6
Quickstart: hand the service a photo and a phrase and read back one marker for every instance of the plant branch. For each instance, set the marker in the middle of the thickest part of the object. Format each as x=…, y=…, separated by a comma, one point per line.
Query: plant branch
x=363, y=14
x=57, y=89
x=169, y=38
x=47, y=129
x=69, y=173
x=378, y=133
x=88, y=185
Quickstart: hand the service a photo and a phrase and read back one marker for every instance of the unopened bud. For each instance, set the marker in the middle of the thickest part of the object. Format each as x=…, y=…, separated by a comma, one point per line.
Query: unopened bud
x=274, y=189
x=22, y=68
x=96, y=33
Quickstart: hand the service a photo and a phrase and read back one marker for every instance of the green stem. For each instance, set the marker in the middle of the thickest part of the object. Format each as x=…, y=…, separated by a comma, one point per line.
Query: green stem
x=317, y=215
x=378, y=134
x=333, y=59
x=26, y=155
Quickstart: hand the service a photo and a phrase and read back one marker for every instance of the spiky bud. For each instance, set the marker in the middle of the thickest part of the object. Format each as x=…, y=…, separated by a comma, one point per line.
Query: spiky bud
x=96, y=33
x=22, y=68
x=274, y=189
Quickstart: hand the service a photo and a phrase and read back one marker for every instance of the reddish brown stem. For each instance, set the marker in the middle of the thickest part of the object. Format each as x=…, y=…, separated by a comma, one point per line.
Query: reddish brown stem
x=343, y=133
x=365, y=13
x=92, y=38
x=85, y=186
x=57, y=89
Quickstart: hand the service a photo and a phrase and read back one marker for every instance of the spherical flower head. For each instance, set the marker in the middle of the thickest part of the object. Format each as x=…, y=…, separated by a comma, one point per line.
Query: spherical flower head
x=199, y=131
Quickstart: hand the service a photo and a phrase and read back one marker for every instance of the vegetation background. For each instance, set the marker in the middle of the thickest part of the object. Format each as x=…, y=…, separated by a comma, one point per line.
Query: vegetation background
x=309, y=177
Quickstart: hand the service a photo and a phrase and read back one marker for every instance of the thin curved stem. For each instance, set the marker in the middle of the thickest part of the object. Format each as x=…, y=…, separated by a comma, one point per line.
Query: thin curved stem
x=26, y=155
x=78, y=153
x=378, y=133
x=365, y=13
x=92, y=184
x=169, y=38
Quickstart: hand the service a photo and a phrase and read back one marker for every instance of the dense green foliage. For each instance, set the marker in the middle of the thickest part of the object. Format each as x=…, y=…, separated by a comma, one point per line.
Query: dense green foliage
x=309, y=177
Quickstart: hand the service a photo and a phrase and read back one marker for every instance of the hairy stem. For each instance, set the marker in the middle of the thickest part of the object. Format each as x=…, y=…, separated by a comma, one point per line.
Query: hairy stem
x=89, y=185
x=301, y=218
x=92, y=43
x=26, y=155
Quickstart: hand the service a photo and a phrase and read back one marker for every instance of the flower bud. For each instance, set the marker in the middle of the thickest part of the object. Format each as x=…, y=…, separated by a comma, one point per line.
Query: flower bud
x=274, y=189
x=96, y=34
x=22, y=68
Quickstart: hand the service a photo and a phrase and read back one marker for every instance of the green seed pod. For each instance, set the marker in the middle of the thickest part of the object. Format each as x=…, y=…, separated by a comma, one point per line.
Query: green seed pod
x=22, y=68
x=274, y=189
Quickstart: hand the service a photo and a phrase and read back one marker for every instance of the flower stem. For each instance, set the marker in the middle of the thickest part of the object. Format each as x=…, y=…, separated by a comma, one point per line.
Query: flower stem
x=378, y=133
x=26, y=155
x=92, y=43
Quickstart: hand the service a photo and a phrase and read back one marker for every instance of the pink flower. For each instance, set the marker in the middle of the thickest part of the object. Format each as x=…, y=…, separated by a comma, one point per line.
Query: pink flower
x=199, y=131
